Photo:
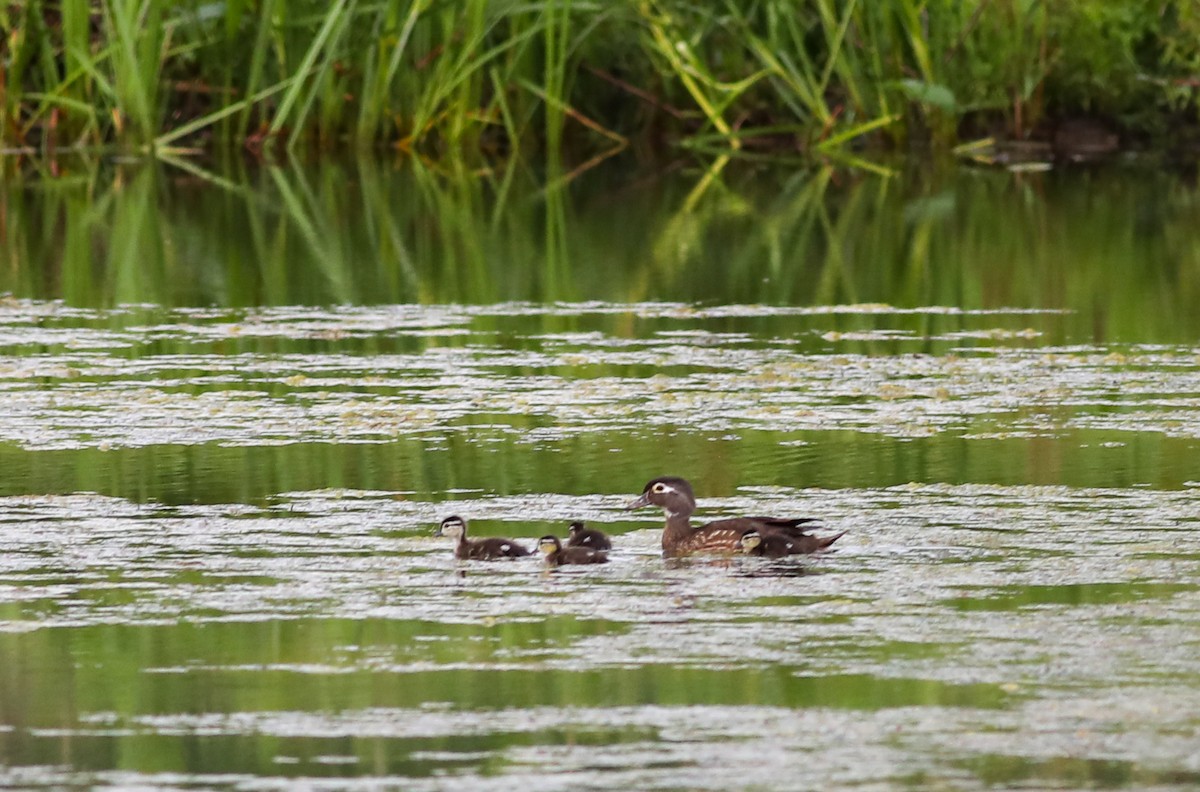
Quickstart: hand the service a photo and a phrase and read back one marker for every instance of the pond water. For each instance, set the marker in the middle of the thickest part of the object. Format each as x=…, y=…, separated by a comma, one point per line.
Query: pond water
x=234, y=404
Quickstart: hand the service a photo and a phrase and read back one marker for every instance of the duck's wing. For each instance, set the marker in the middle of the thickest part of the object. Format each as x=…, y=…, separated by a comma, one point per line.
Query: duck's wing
x=775, y=525
x=511, y=549
x=792, y=526
x=583, y=555
x=596, y=540
x=497, y=547
x=718, y=536
x=723, y=536
x=777, y=545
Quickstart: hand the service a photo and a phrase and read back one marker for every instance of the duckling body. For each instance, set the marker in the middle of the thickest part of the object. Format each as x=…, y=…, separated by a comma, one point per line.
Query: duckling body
x=674, y=496
x=582, y=536
x=488, y=549
x=777, y=545
x=557, y=555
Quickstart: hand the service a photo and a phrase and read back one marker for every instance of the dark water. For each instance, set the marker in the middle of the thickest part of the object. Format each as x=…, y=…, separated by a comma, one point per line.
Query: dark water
x=234, y=404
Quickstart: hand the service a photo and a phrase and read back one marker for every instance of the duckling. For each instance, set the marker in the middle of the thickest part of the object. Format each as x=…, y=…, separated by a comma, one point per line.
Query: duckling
x=777, y=545
x=674, y=496
x=556, y=554
x=489, y=549
x=582, y=536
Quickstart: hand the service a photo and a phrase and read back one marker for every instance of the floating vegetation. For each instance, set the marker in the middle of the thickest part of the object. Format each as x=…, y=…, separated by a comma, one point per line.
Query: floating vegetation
x=139, y=385
x=950, y=615
x=227, y=435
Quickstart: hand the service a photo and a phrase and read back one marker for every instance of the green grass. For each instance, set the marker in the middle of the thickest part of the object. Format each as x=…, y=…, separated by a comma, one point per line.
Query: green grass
x=570, y=79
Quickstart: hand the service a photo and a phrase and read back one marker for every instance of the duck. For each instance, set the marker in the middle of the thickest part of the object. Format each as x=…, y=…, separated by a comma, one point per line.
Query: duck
x=488, y=549
x=778, y=545
x=579, y=535
x=674, y=496
x=556, y=554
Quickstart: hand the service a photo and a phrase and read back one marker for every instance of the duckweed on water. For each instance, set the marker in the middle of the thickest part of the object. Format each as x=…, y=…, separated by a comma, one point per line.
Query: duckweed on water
x=217, y=566
x=1078, y=607
x=93, y=393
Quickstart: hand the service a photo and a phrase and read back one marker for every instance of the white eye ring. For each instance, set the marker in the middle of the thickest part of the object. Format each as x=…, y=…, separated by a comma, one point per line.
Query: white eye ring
x=660, y=487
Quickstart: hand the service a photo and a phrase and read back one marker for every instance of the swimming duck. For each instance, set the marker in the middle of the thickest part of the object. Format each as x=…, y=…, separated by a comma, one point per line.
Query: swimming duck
x=582, y=536
x=488, y=549
x=557, y=555
x=778, y=545
x=674, y=496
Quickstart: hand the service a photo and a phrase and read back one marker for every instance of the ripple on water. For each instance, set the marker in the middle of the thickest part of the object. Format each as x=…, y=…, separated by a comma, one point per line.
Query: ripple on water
x=78, y=386
x=963, y=635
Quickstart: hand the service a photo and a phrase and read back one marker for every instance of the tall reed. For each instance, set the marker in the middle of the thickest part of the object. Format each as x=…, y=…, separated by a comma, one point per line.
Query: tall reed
x=578, y=76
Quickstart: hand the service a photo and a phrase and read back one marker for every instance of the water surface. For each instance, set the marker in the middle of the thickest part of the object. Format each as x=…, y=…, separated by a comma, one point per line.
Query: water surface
x=232, y=413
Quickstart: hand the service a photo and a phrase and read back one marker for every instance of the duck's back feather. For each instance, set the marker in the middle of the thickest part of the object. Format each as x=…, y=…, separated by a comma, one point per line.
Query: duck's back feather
x=724, y=536
x=590, y=537
x=490, y=548
x=778, y=545
x=788, y=525
x=577, y=555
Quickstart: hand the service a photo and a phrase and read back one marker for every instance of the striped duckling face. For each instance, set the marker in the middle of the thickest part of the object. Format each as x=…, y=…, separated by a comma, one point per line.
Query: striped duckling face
x=453, y=526
x=750, y=541
x=667, y=492
x=549, y=544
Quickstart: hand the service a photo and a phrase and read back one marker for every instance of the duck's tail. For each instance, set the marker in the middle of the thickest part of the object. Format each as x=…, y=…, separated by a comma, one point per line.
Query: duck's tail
x=823, y=542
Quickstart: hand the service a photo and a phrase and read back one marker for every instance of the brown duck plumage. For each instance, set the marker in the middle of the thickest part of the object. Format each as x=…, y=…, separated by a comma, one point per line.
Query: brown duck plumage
x=674, y=496
x=557, y=555
x=489, y=549
x=582, y=536
x=778, y=545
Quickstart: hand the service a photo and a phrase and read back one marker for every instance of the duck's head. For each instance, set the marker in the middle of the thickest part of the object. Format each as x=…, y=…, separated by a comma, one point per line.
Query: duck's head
x=749, y=541
x=453, y=526
x=549, y=544
x=668, y=492
x=576, y=527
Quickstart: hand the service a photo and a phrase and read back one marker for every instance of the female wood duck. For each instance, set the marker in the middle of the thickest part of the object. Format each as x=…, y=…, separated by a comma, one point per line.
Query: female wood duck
x=488, y=549
x=582, y=536
x=675, y=497
x=557, y=555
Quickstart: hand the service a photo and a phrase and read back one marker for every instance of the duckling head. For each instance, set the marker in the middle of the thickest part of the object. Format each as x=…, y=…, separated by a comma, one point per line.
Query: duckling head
x=453, y=526
x=749, y=541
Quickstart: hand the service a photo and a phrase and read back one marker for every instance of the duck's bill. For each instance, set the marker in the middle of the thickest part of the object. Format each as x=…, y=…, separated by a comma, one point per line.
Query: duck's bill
x=638, y=502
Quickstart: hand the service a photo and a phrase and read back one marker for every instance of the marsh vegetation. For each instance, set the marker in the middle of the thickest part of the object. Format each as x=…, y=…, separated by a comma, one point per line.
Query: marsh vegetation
x=487, y=80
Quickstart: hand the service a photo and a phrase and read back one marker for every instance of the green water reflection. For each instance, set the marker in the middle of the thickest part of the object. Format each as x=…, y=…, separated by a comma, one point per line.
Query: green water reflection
x=167, y=698
x=1077, y=594
x=717, y=464
x=1073, y=772
x=464, y=308
x=369, y=233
